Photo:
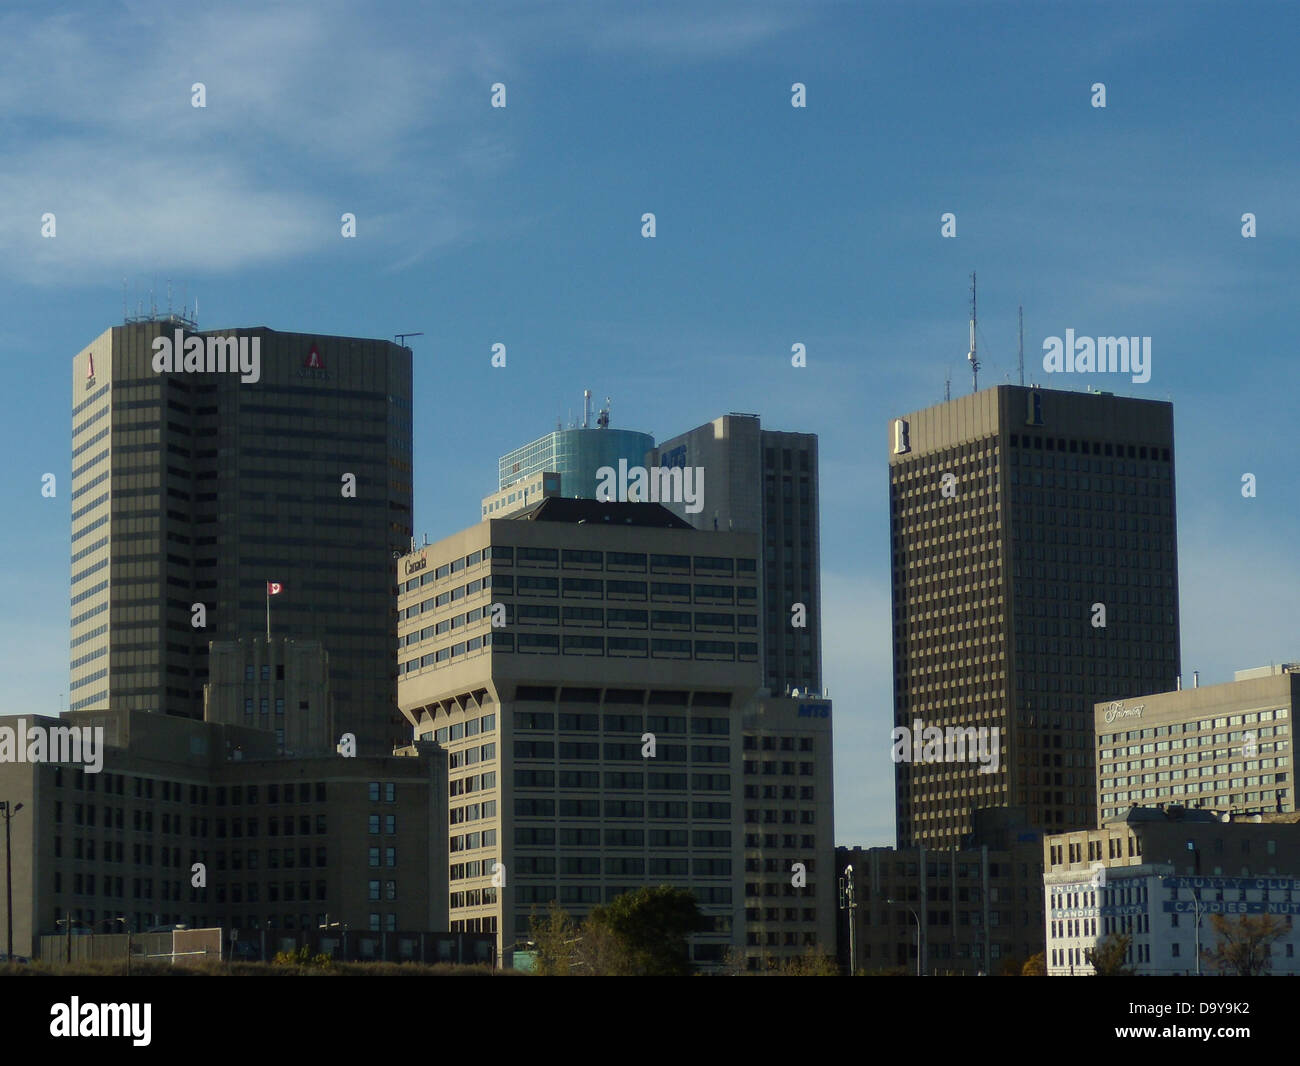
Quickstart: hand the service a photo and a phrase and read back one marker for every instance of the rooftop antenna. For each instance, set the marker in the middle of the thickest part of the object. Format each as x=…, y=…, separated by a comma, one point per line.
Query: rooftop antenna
x=974, y=362
x=1022, y=345
x=947, y=384
x=602, y=420
x=169, y=299
x=400, y=338
x=124, y=313
x=586, y=408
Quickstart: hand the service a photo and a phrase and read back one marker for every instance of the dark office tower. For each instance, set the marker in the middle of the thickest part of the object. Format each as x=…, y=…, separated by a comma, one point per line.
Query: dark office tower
x=764, y=481
x=194, y=488
x=1060, y=506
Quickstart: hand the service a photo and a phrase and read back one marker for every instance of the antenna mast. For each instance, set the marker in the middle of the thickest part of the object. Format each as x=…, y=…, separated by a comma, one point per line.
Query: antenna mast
x=974, y=362
x=1022, y=345
x=947, y=385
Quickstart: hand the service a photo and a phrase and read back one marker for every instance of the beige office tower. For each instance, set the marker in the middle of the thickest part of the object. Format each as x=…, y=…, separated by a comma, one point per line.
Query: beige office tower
x=766, y=482
x=205, y=465
x=1223, y=747
x=1034, y=558
x=586, y=665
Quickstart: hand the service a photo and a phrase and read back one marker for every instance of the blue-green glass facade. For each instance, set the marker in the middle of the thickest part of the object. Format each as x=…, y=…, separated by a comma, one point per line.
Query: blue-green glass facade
x=576, y=455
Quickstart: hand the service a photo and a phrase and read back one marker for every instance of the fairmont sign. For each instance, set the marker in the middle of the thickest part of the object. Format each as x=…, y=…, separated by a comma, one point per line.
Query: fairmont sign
x=1118, y=710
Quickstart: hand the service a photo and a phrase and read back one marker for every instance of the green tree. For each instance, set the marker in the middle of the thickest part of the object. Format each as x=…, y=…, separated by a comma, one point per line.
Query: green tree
x=1107, y=958
x=556, y=937
x=1244, y=947
x=643, y=933
x=812, y=963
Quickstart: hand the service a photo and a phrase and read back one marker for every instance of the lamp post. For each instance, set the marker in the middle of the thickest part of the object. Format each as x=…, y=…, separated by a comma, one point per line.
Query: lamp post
x=849, y=902
x=918, y=932
x=9, y=810
x=1199, y=909
x=342, y=927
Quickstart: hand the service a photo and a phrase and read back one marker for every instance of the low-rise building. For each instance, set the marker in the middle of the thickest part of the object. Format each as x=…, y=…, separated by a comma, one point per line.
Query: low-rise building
x=1155, y=875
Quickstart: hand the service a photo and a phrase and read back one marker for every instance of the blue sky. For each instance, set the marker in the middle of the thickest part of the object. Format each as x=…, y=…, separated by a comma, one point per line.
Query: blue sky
x=775, y=225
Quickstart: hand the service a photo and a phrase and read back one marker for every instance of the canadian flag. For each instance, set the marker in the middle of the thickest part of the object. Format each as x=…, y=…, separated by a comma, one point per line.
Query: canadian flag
x=274, y=588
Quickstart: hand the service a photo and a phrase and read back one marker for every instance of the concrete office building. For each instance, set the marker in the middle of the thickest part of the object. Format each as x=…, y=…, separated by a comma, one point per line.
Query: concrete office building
x=284, y=842
x=619, y=620
x=765, y=482
x=1020, y=520
x=282, y=686
x=521, y=495
x=789, y=812
x=193, y=489
x=979, y=907
x=1155, y=875
x=1225, y=747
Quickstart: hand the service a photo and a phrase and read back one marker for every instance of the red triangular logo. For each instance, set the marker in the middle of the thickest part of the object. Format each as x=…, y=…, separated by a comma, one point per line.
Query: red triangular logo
x=90, y=366
x=313, y=360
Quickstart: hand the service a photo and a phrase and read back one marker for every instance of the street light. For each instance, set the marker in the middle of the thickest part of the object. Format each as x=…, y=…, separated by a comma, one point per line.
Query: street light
x=1199, y=909
x=849, y=902
x=9, y=811
x=343, y=929
x=918, y=931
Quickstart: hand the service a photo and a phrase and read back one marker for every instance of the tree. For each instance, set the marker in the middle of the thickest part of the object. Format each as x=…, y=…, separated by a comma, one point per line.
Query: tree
x=643, y=933
x=555, y=935
x=1010, y=967
x=1107, y=958
x=812, y=963
x=1035, y=966
x=1244, y=947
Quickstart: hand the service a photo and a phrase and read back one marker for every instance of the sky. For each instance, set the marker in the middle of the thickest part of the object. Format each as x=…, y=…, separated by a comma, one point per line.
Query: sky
x=775, y=225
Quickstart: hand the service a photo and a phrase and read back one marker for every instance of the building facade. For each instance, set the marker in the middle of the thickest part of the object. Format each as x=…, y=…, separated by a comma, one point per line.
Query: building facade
x=586, y=665
x=1223, y=747
x=969, y=911
x=1155, y=876
x=765, y=482
x=281, y=844
x=281, y=685
x=789, y=809
x=193, y=489
x=575, y=455
x=1034, y=561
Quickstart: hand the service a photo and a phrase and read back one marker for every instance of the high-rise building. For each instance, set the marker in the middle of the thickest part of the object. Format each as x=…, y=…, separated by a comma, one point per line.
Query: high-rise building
x=587, y=666
x=1034, y=559
x=765, y=482
x=250, y=457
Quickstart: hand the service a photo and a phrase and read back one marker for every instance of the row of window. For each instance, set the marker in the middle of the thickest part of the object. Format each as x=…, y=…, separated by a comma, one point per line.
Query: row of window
x=659, y=724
